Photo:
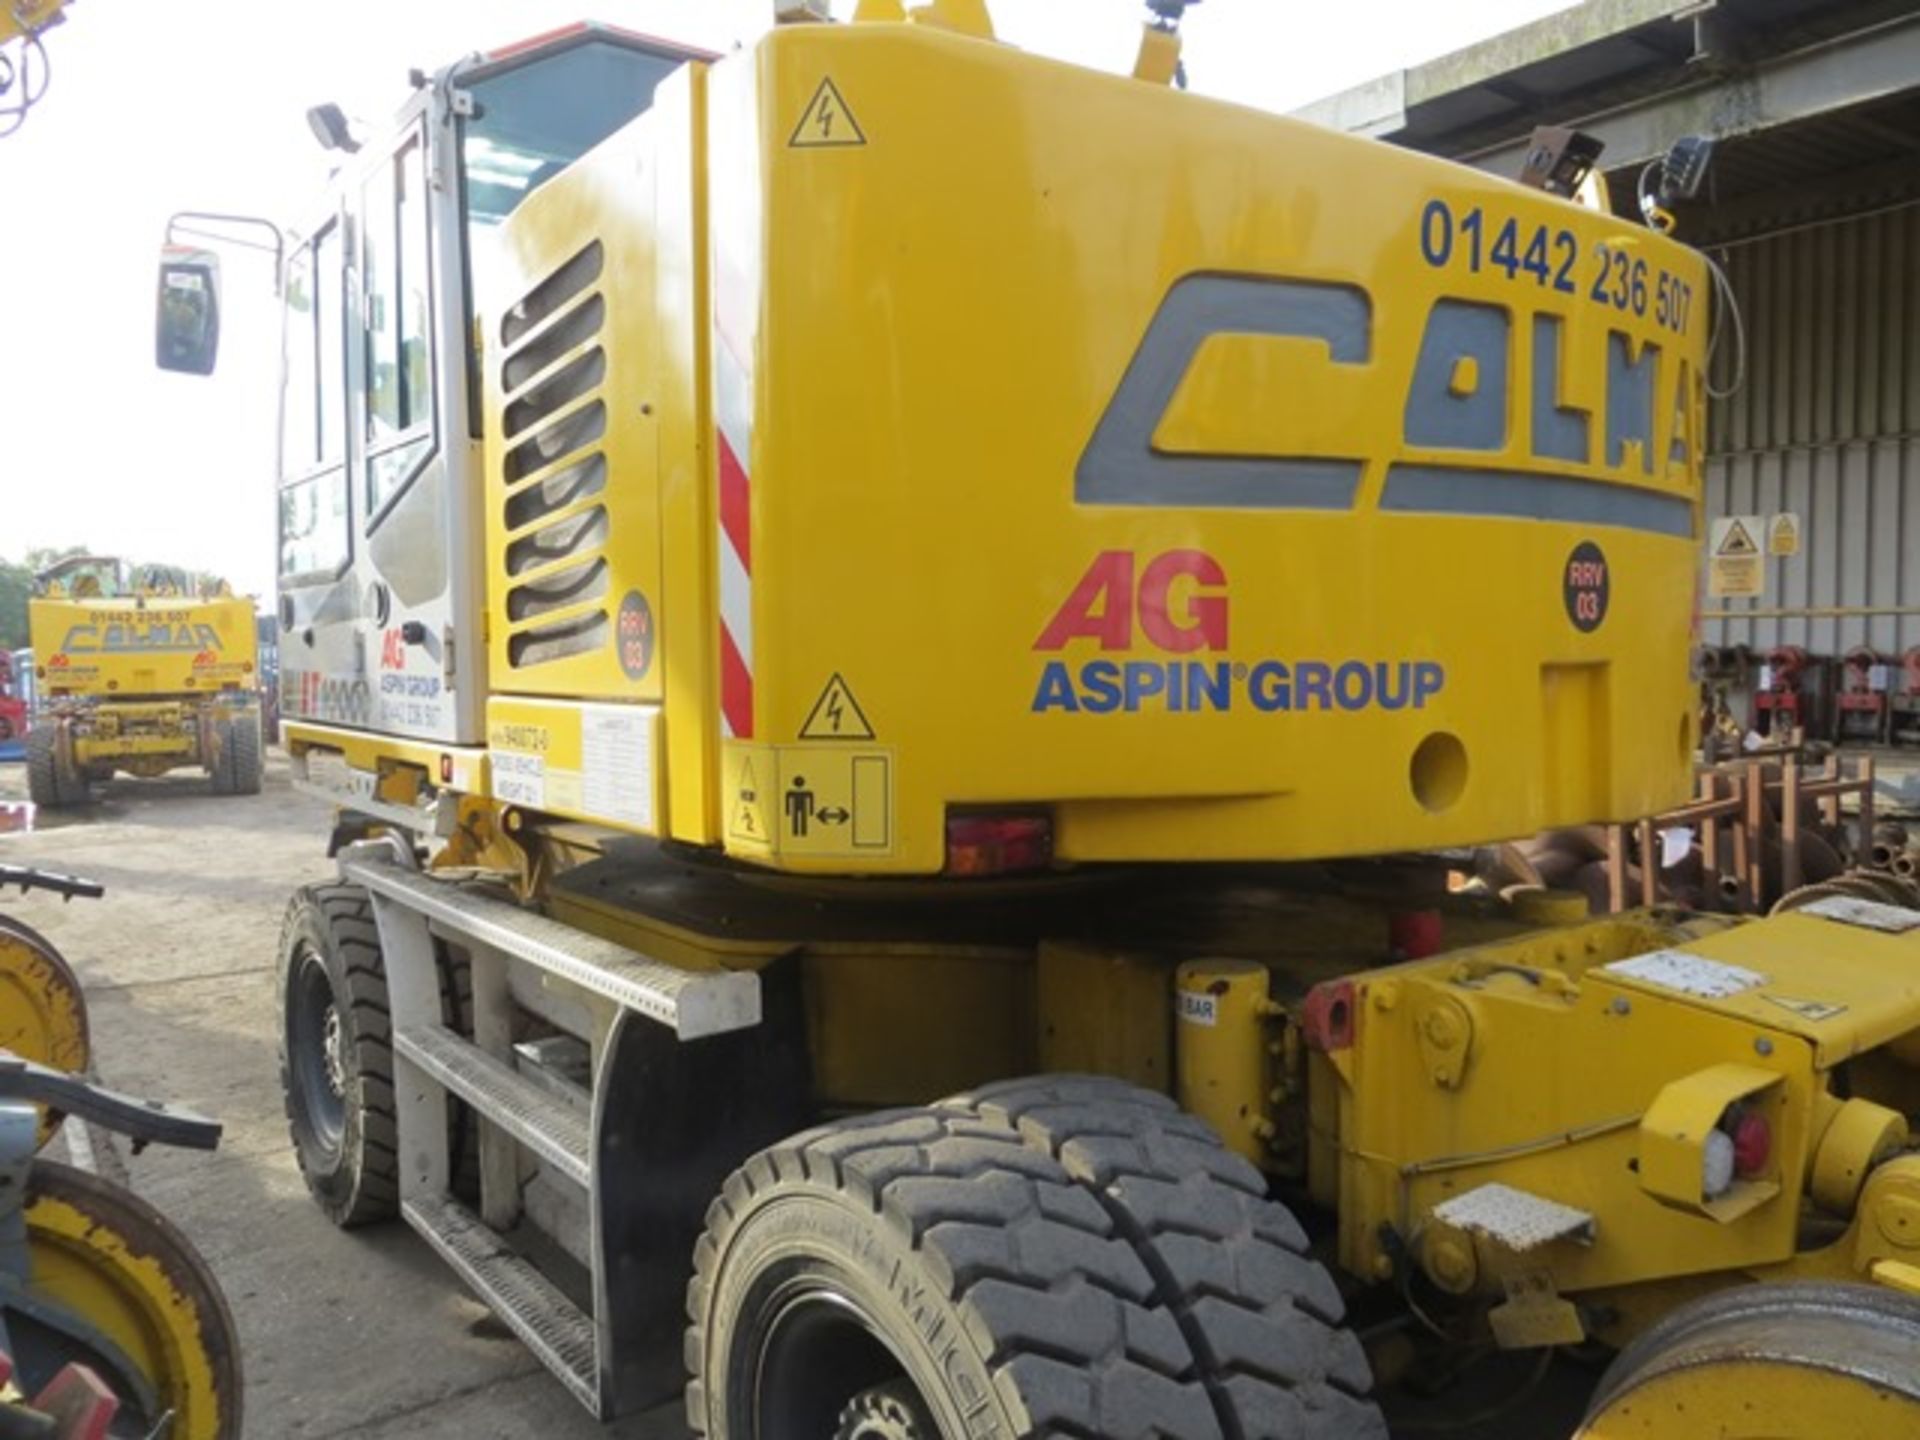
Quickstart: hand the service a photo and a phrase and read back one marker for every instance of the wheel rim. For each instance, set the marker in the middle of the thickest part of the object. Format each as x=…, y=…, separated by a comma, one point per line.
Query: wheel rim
x=816, y=1355
x=317, y=1050
x=1779, y=1362
x=43, y=1013
x=100, y=1254
x=887, y=1412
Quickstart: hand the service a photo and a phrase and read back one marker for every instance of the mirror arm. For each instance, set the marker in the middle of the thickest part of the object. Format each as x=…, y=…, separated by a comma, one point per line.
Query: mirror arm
x=181, y=223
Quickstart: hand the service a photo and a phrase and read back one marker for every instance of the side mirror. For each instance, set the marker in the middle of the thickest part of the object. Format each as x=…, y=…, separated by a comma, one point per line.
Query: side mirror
x=187, y=320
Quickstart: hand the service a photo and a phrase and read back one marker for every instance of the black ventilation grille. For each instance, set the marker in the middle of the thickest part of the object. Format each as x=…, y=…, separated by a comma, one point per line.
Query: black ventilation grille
x=552, y=374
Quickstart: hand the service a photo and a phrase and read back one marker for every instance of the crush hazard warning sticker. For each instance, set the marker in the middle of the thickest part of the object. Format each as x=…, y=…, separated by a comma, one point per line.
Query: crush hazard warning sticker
x=825, y=800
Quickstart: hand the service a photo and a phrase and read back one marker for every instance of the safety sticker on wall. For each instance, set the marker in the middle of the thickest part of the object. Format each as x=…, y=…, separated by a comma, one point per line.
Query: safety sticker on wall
x=1736, y=564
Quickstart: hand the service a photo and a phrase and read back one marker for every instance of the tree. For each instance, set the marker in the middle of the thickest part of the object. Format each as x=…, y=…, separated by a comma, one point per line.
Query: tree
x=16, y=584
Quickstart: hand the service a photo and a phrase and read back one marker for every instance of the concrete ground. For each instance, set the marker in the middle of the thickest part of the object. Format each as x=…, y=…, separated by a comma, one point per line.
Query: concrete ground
x=365, y=1334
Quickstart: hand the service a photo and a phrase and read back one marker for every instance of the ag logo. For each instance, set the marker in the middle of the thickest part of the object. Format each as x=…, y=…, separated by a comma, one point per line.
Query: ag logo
x=1585, y=587
x=1181, y=604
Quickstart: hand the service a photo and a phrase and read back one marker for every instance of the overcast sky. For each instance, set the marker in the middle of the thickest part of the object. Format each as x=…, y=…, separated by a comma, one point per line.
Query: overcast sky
x=157, y=107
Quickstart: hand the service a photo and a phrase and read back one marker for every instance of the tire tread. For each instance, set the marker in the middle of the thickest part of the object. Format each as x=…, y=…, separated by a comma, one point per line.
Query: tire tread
x=1060, y=1306
x=1263, y=1318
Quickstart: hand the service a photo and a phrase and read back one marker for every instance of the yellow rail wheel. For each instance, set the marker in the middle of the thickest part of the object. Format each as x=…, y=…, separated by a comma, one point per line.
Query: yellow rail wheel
x=43, y=1013
x=116, y=1287
x=1769, y=1362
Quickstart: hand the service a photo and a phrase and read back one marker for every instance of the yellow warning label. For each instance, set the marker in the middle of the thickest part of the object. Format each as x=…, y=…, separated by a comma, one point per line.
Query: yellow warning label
x=747, y=817
x=1783, y=534
x=836, y=715
x=827, y=122
x=1736, y=567
x=1808, y=1009
x=820, y=801
x=834, y=800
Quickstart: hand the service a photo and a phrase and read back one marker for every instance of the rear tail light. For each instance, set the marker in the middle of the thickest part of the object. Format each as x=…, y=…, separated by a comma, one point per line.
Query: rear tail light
x=1752, y=1145
x=1738, y=1148
x=998, y=844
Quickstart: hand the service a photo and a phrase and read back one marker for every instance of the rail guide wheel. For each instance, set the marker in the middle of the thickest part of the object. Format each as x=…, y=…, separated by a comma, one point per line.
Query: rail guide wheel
x=43, y=1013
x=1769, y=1362
x=115, y=1287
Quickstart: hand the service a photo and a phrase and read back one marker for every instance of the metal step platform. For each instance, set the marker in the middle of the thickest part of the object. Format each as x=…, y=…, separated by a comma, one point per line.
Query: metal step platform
x=529, y=1304
x=690, y=1003
x=539, y=1120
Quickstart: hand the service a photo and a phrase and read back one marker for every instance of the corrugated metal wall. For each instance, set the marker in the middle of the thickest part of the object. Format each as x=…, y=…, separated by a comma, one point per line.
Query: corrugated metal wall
x=1827, y=425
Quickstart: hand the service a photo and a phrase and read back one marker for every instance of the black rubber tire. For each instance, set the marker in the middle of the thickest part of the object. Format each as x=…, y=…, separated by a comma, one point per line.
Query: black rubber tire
x=1020, y=1298
x=50, y=781
x=356, y=1180
x=330, y=946
x=243, y=754
x=236, y=767
x=1264, y=1319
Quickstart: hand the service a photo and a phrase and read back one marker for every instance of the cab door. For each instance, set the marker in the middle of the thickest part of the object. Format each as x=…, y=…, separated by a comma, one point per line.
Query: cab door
x=321, y=679
x=401, y=475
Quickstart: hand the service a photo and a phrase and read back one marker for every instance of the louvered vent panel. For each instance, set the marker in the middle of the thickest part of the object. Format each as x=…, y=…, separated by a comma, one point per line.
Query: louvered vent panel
x=552, y=373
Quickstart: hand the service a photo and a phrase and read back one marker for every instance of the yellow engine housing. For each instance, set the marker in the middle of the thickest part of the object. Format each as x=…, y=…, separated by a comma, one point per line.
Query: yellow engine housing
x=891, y=423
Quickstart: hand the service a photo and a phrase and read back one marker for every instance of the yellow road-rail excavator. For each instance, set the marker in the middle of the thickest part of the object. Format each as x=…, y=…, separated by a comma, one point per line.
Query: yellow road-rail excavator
x=138, y=672
x=864, y=605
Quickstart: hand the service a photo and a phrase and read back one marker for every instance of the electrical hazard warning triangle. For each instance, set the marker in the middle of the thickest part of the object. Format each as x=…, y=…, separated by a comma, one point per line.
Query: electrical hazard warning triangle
x=836, y=715
x=749, y=818
x=827, y=122
x=1735, y=540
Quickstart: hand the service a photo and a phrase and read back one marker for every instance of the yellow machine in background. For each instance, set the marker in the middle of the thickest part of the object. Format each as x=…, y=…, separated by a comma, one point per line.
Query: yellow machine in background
x=142, y=679
x=909, y=538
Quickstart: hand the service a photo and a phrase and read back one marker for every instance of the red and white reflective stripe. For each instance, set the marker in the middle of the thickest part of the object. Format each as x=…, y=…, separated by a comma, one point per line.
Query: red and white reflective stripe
x=733, y=420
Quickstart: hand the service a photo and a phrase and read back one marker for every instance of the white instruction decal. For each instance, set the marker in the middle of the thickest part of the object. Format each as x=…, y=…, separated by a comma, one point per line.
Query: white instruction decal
x=520, y=779
x=1868, y=914
x=1688, y=973
x=616, y=752
x=1199, y=1009
x=327, y=769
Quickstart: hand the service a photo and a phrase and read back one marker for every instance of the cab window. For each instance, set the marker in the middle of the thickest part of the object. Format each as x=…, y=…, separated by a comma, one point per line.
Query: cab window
x=315, y=538
x=398, y=370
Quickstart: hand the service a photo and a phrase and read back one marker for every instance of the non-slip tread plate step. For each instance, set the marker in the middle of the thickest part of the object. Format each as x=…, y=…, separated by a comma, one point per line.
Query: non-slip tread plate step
x=545, y=1124
x=528, y=1303
x=691, y=1003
